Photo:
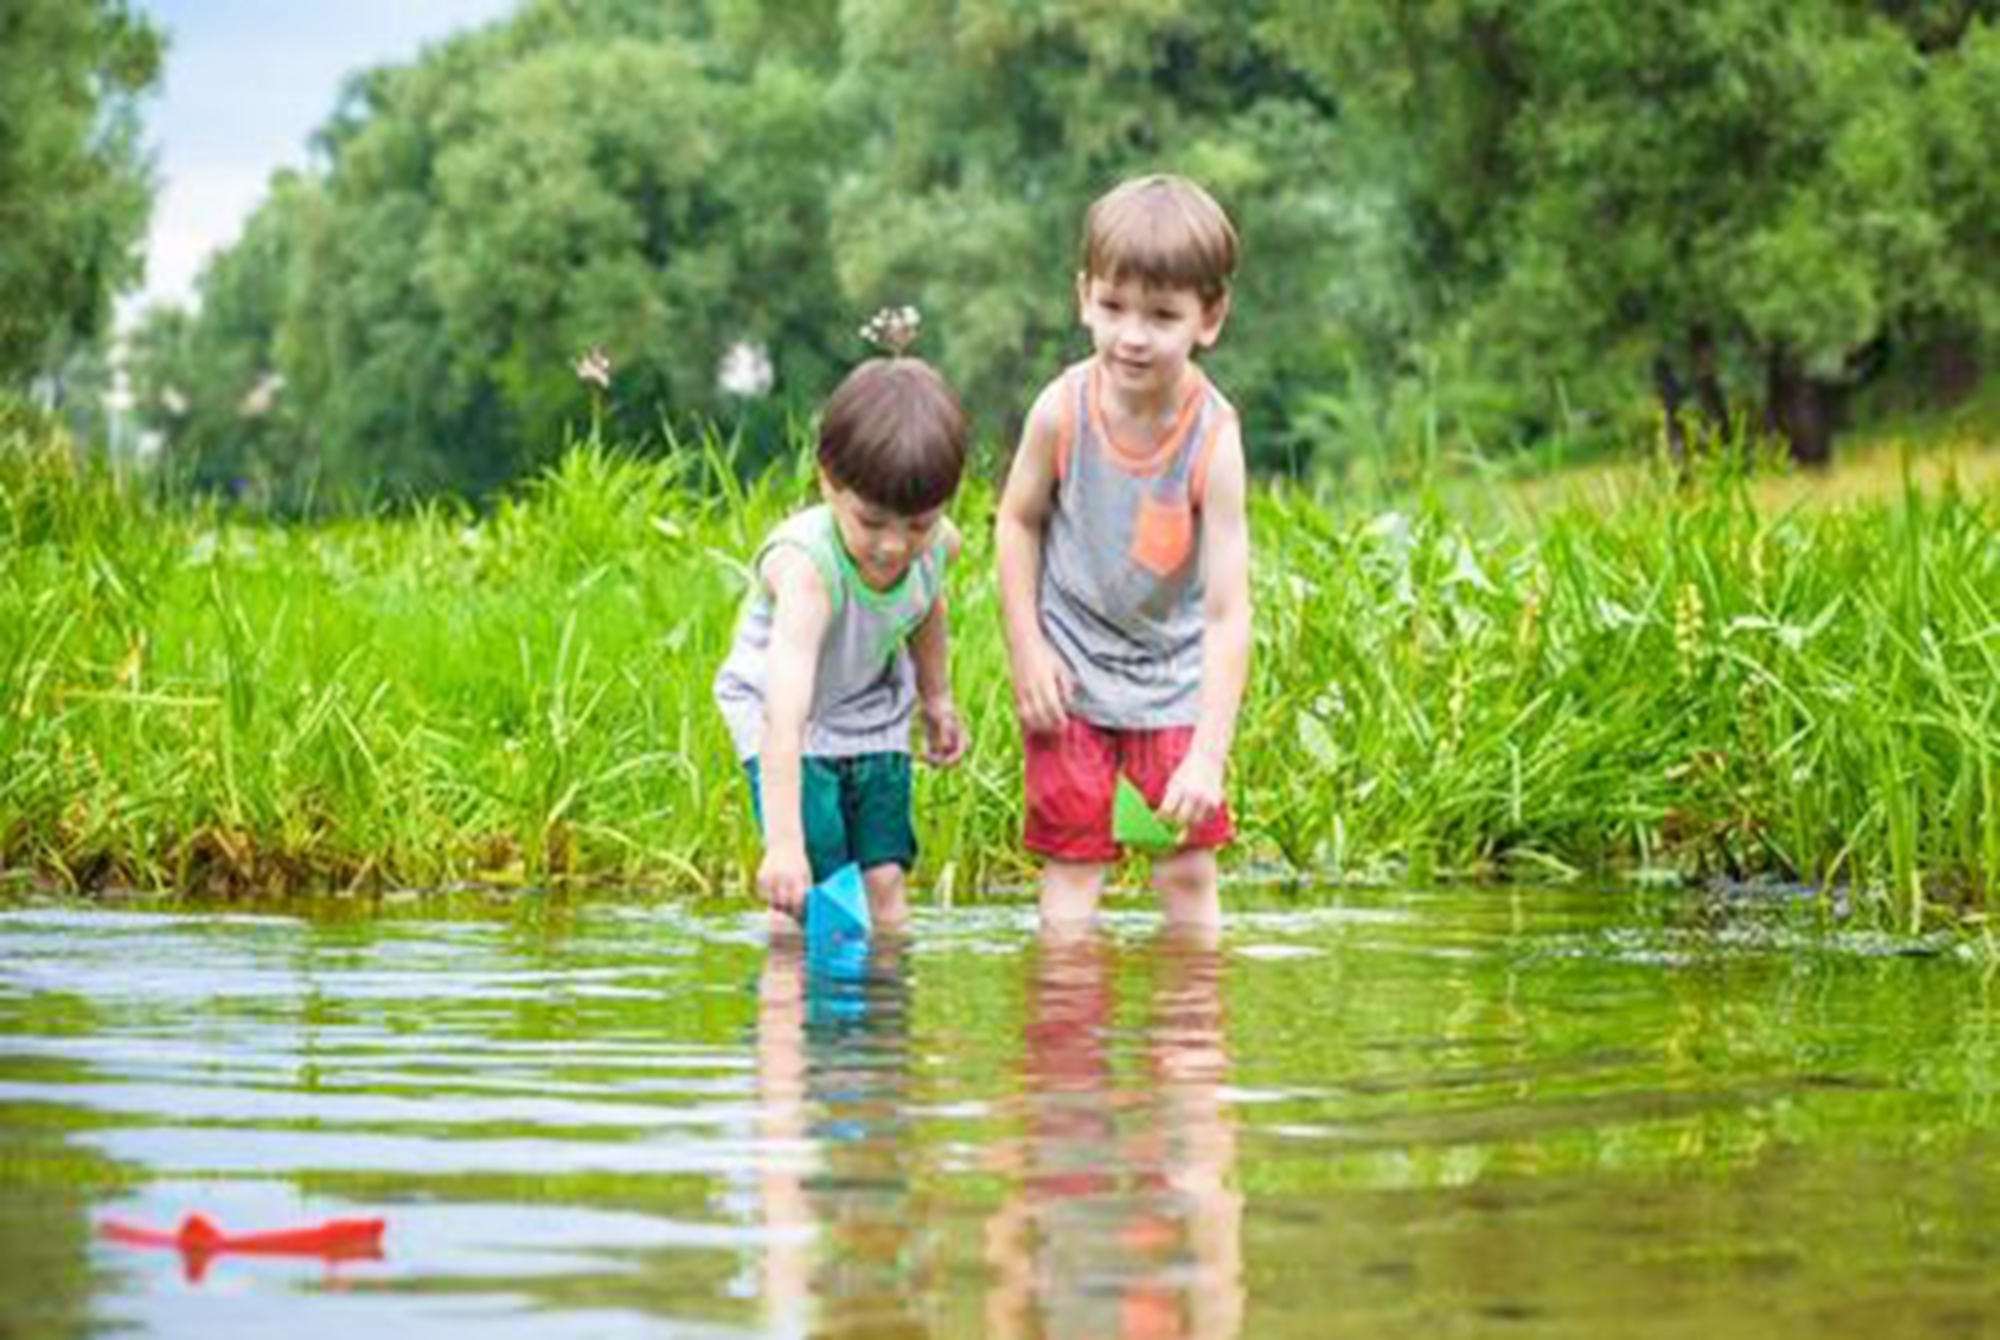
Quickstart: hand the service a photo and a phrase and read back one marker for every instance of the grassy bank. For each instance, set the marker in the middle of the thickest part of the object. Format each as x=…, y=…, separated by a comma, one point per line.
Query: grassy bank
x=1674, y=684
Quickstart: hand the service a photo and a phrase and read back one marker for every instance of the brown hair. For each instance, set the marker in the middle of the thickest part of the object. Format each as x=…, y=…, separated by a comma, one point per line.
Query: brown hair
x=894, y=433
x=1163, y=231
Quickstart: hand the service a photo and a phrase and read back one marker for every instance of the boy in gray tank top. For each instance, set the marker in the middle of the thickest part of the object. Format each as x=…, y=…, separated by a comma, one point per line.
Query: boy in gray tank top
x=842, y=641
x=1125, y=560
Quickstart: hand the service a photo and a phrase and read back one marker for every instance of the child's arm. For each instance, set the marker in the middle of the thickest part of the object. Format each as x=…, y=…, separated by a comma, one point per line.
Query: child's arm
x=1041, y=682
x=1195, y=790
x=930, y=648
x=803, y=610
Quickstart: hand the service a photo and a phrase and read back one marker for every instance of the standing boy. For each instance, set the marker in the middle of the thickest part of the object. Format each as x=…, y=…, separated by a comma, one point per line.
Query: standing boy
x=843, y=640
x=1125, y=559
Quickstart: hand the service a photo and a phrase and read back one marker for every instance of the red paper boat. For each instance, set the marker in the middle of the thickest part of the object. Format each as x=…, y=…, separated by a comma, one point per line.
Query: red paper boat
x=199, y=1241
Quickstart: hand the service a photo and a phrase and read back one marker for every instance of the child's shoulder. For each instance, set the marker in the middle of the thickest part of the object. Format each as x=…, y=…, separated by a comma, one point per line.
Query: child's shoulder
x=799, y=544
x=1060, y=391
x=1224, y=406
x=1052, y=418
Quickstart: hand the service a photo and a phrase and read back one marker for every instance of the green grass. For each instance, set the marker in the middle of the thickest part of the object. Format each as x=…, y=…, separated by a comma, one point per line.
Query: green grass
x=1678, y=684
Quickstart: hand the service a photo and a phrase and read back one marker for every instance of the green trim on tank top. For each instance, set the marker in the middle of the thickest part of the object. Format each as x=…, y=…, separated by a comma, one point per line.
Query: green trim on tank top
x=851, y=572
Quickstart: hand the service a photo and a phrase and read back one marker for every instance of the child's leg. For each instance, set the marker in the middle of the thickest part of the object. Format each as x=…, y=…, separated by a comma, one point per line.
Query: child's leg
x=1069, y=776
x=1185, y=882
x=888, y=896
x=882, y=840
x=1070, y=892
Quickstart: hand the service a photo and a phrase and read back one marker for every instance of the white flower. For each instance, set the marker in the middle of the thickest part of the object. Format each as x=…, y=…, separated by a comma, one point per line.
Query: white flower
x=745, y=371
x=262, y=396
x=893, y=329
x=594, y=367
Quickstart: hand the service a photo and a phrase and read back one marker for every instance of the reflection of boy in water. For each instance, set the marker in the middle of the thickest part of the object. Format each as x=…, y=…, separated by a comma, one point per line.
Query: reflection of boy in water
x=1125, y=1224
x=833, y=1062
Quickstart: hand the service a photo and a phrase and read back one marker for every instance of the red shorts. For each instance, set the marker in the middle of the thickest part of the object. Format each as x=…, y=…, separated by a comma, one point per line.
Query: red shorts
x=1072, y=774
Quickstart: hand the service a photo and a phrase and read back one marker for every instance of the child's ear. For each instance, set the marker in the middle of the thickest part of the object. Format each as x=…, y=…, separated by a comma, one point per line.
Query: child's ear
x=1082, y=293
x=1213, y=316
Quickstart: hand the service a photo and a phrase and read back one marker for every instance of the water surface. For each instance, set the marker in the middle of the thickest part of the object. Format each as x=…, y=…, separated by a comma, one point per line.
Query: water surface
x=1462, y=1113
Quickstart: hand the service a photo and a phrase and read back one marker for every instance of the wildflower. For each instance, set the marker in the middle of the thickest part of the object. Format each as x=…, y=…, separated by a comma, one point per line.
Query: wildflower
x=893, y=329
x=1688, y=627
x=262, y=397
x=594, y=368
x=745, y=371
x=1525, y=630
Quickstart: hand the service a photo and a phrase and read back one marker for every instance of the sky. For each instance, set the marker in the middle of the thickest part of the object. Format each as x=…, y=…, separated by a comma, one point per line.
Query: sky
x=247, y=82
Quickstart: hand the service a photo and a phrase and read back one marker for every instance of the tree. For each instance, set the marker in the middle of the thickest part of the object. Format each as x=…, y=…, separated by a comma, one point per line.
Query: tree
x=983, y=129
x=74, y=184
x=1734, y=191
x=580, y=176
x=214, y=385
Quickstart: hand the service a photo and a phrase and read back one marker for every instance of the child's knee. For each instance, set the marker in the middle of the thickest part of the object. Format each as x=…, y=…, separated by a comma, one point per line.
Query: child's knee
x=888, y=896
x=1186, y=883
x=1070, y=893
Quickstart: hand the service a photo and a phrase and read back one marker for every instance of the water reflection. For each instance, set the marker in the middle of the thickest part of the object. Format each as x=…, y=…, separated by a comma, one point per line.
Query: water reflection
x=1123, y=1220
x=1546, y=1115
x=833, y=1072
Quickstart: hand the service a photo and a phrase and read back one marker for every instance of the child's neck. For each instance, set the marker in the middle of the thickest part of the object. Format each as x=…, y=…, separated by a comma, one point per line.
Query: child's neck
x=1147, y=415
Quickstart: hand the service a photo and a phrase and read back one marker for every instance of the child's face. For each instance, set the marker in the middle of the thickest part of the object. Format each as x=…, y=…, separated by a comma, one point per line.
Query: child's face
x=882, y=543
x=1146, y=335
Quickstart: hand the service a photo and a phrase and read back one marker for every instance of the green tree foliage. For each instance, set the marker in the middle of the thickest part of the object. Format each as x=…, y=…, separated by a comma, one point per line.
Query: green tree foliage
x=219, y=380
x=984, y=127
x=1465, y=222
x=584, y=176
x=1746, y=191
x=74, y=184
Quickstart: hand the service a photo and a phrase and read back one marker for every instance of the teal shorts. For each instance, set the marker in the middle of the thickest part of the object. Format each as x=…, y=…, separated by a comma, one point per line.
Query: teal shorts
x=856, y=810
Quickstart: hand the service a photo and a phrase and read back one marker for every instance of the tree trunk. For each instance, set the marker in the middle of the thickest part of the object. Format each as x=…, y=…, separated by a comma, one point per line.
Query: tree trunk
x=1952, y=369
x=1707, y=383
x=1800, y=407
x=1668, y=384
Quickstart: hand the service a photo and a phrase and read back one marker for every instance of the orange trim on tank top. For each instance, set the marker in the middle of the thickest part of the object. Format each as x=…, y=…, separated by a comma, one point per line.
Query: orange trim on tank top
x=1198, y=473
x=1065, y=428
x=1144, y=462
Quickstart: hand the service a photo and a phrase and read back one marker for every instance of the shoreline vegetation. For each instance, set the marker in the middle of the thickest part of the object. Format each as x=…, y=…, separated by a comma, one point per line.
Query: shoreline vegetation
x=1651, y=682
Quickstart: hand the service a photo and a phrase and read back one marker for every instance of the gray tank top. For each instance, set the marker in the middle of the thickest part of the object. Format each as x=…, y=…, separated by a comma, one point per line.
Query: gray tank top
x=864, y=688
x=1121, y=589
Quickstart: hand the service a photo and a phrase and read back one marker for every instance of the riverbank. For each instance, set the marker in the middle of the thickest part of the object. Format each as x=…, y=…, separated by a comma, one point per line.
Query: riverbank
x=1661, y=683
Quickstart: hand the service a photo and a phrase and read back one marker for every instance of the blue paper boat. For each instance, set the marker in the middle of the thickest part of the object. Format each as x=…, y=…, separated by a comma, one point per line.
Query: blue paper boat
x=837, y=912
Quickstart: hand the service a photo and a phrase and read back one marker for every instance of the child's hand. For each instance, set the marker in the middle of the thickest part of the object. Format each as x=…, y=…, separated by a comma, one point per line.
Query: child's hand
x=1042, y=687
x=945, y=740
x=1194, y=791
x=783, y=878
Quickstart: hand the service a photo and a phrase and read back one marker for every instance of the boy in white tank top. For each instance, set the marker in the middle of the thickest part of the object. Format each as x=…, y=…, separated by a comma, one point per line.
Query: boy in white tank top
x=842, y=641
x=1125, y=559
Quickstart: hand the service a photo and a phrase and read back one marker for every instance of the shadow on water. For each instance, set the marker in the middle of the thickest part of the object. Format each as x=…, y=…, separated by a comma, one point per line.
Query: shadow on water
x=1384, y=1113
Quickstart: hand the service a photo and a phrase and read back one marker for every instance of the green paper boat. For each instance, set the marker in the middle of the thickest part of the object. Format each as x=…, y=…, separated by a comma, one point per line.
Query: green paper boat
x=1134, y=824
